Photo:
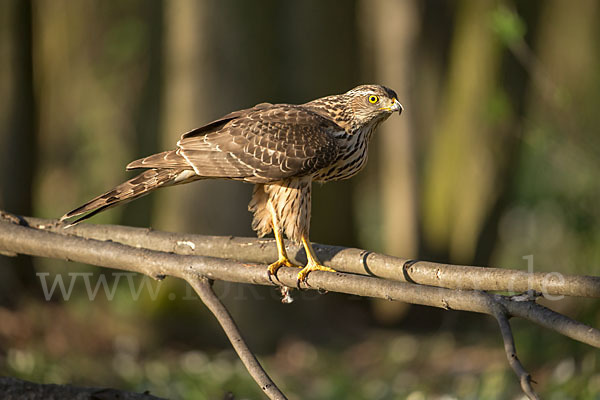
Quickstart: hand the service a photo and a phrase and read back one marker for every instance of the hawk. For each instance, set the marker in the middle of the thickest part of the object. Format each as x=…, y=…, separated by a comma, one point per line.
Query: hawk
x=280, y=148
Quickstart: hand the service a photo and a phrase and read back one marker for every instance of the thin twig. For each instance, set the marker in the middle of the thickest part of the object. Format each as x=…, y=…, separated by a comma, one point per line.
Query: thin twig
x=343, y=259
x=501, y=315
x=203, y=288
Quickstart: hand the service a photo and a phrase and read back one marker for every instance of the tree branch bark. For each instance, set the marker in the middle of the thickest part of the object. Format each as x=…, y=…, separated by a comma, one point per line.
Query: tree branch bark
x=158, y=264
x=501, y=315
x=17, y=389
x=343, y=259
x=45, y=239
x=203, y=288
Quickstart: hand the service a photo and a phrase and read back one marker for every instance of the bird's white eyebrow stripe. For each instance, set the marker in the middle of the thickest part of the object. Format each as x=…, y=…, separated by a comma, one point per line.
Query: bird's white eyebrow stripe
x=364, y=92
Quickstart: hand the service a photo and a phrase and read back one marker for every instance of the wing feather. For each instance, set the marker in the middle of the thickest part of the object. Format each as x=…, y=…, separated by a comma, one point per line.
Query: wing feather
x=263, y=144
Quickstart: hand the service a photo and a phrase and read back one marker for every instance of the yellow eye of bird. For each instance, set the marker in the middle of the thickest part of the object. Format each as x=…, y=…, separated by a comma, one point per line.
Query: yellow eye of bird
x=373, y=99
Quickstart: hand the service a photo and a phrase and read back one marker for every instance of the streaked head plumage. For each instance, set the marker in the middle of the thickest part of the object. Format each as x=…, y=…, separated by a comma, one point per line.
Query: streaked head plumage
x=360, y=106
x=371, y=103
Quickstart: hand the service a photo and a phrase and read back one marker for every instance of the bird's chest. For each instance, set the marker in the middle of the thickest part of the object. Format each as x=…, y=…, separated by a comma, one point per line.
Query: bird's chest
x=351, y=159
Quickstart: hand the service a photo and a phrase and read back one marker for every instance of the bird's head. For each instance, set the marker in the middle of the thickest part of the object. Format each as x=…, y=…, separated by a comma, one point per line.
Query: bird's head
x=372, y=103
x=363, y=106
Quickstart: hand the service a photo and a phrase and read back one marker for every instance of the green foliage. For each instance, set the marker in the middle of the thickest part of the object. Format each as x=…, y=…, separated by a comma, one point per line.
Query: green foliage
x=508, y=25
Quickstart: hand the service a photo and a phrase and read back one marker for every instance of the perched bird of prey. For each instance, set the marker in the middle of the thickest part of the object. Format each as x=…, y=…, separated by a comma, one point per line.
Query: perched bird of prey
x=281, y=148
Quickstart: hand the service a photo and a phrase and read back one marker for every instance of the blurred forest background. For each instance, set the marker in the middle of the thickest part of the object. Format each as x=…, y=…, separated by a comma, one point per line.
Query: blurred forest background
x=495, y=158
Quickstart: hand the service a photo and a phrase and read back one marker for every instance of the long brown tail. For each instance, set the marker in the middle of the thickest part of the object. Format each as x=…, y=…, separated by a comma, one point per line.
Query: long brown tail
x=134, y=188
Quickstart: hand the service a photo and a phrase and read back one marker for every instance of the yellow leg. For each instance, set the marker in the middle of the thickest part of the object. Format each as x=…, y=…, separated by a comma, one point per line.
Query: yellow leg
x=283, y=259
x=313, y=264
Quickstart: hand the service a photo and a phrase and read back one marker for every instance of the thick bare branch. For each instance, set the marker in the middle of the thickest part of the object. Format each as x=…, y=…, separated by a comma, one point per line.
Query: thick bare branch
x=343, y=259
x=203, y=288
x=32, y=241
x=17, y=389
x=18, y=235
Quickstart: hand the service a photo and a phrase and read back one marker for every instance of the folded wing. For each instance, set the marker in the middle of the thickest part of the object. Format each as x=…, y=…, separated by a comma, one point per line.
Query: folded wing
x=263, y=144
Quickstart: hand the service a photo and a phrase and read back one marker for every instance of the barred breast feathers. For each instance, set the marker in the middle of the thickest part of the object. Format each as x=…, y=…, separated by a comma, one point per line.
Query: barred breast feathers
x=291, y=199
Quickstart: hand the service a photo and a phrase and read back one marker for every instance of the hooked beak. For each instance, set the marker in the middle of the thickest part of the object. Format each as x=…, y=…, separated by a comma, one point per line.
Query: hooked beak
x=396, y=106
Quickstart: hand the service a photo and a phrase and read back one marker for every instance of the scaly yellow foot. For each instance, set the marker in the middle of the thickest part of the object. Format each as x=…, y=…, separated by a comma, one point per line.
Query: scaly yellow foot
x=311, y=266
x=282, y=262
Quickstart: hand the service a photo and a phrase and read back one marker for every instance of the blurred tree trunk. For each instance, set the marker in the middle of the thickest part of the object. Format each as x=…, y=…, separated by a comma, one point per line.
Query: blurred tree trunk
x=18, y=134
x=388, y=33
x=460, y=182
x=148, y=112
x=185, y=66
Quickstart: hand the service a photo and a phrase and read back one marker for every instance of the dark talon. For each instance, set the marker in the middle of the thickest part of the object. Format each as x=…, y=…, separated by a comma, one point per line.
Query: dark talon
x=299, y=287
x=276, y=281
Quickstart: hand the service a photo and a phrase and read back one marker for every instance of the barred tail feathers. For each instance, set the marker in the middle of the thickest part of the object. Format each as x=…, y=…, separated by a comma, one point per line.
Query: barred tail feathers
x=132, y=189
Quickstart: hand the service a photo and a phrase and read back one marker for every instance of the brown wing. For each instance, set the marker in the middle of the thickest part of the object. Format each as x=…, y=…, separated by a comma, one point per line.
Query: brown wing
x=263, y=144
